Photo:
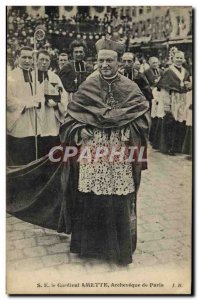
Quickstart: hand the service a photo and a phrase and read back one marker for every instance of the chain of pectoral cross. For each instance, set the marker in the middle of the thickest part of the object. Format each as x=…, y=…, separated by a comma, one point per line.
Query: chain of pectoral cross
x=110, y=98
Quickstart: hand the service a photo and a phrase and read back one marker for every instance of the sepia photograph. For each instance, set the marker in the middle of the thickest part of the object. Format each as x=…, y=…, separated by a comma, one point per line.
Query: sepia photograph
x=99, y=150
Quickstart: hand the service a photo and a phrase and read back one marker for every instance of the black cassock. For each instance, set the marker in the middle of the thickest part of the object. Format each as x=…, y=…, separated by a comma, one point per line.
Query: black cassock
x=73, y=74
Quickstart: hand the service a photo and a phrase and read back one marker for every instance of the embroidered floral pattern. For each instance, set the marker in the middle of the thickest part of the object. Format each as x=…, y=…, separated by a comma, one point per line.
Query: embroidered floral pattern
x=102, y=176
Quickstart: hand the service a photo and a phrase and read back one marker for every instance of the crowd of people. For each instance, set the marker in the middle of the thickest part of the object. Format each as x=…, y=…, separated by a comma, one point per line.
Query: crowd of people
x=157, y=87
x=62, y=30
x=98, y=104
x=20, y=30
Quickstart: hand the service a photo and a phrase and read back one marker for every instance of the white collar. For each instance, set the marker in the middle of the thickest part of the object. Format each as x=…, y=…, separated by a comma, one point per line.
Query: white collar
x=109, y=78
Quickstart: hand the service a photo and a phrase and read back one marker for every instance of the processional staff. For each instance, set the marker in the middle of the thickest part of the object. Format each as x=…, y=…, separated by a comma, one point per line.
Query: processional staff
x=39, y=35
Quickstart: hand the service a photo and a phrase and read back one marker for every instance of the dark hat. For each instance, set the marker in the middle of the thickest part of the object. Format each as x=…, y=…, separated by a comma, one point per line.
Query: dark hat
x=106, y=44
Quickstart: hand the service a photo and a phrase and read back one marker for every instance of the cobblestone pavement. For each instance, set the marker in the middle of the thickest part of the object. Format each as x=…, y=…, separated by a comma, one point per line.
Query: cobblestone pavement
x=164, y=227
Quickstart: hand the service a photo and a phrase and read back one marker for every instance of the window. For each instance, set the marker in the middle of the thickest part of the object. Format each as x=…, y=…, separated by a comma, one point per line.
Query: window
x=127, y=12
x=134, y=12
x=178, y=27
x=141, y=10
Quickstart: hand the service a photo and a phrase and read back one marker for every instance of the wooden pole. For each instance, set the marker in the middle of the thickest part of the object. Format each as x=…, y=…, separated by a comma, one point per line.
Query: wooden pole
x=35, y=93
